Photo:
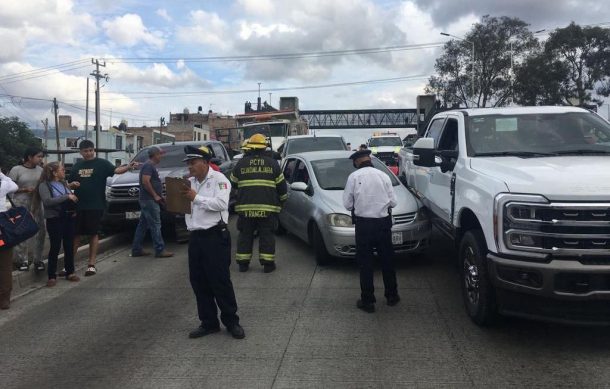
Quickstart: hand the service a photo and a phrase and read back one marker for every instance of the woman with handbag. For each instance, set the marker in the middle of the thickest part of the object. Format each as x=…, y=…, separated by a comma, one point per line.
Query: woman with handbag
x=26, y=176
x=59, y=211
x=6, y=254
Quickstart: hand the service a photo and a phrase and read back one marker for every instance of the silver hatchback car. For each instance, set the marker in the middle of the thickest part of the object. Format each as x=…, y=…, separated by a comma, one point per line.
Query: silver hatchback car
x=315, y=213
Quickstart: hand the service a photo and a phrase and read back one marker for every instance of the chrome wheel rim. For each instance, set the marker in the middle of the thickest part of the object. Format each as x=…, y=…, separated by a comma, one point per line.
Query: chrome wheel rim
x=471, y=276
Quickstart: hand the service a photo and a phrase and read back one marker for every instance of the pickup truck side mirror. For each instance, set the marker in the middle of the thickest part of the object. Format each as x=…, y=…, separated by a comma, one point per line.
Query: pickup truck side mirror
x=423, y=152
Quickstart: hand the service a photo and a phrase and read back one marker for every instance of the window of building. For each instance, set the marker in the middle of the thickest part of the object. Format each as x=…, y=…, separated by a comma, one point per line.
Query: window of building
x=118, y=162
x=139, y=142
x=119, y=142
x=205, y=136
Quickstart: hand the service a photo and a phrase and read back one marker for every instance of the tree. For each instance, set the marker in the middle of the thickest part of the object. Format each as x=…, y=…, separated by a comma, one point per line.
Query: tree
x=15, y=137
x=497, y=43
x=578, y=63
x=539, y=81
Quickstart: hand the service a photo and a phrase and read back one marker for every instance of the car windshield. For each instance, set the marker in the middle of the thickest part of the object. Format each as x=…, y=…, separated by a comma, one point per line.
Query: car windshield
x=538, y=134
x=300, y=145
x=332, y=173
x=385, y=141
x=172, y=156
x=269, y=130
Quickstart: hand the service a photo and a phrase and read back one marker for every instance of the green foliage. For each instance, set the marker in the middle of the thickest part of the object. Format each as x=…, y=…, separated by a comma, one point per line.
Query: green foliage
x=15, y=137
x=575, y=62
x=497, y=41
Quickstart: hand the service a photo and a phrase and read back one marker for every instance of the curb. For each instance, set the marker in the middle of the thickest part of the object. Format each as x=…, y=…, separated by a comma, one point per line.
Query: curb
x=26, y=282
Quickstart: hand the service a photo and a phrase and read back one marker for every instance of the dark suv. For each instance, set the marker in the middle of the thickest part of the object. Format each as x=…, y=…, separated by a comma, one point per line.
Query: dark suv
x=122, y=191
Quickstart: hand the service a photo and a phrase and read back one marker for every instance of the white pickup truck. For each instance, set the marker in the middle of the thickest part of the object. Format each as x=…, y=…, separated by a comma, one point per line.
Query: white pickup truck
x=525, y=195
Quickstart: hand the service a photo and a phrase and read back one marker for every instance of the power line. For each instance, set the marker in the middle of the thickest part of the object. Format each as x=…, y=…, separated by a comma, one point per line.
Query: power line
x=45, y=74
x=259, y=57
x=43, y=69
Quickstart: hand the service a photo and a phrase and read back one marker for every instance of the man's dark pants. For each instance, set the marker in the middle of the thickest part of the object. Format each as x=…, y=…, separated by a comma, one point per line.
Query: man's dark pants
x=374, y=233
x=209, y=260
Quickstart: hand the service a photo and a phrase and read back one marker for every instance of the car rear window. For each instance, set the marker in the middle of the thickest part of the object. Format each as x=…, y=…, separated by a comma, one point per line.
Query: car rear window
x=172, y=156
x=332, y=173
x=295, y=146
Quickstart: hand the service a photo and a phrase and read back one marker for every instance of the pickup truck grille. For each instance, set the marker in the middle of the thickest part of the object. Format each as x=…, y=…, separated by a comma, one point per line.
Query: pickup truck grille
x=561, y=229
x=404, y=218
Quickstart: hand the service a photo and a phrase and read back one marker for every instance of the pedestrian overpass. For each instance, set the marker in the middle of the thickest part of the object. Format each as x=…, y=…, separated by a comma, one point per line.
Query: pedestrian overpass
x=363, y=118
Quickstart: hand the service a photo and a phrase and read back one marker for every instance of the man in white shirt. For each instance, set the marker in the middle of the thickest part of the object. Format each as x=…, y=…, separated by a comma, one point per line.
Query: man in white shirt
x=209, y=248
x=370, y=197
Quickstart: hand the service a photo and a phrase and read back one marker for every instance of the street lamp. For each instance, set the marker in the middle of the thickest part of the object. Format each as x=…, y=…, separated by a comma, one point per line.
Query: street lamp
x=472, y=60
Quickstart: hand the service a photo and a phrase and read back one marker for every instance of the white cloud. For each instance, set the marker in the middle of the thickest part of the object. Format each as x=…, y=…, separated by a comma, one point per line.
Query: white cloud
x=205, y=28
x=41, y=22
x=256, y=7
x=162, y=12
x=13, y=45
x=129, y=30
x=155, y=76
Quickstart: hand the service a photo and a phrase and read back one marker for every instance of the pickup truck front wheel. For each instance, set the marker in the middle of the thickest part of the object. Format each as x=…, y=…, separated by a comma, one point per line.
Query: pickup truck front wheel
x=477, y=291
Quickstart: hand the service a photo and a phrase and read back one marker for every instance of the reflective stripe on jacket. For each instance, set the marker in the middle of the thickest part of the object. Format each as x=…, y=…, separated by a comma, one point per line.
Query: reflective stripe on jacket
x=260, y=184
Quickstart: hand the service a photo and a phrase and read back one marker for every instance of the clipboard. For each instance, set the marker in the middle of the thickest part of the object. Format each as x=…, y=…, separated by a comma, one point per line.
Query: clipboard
x=174, y=201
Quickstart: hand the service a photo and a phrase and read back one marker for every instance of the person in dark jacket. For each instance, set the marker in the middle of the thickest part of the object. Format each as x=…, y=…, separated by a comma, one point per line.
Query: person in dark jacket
x=60, y=213
x=261, y=190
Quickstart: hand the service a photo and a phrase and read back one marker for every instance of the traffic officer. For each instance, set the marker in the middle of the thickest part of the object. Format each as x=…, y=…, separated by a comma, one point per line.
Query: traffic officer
x=209, y=250
x=261, y=189
x=370, y=197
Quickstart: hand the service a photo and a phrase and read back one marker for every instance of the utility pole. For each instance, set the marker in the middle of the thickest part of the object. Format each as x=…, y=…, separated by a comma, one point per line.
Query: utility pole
x=45, y=124
x=87, y=112
x=57, y=129
x=161, y=123
x=96, y=73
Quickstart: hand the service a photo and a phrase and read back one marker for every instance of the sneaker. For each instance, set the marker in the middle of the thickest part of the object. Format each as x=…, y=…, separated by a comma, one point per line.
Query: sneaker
x=63, y=273
x=140, y=254
x=164, y=254
x=243, y=266
x=23, y=266
x=39, y=266
x=51, y=282
x=90, y=271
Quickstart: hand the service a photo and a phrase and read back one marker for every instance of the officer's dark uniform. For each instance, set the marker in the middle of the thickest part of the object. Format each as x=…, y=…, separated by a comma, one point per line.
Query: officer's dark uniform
x=209, y=251
x=261, y=189
x=370, y=196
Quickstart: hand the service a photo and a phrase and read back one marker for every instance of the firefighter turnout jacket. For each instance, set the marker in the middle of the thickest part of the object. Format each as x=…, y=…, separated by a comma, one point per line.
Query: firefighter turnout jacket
x=261, y=187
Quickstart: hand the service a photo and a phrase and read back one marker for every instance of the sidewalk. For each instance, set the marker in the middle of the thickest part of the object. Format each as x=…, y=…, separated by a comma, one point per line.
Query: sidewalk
x=27, y=281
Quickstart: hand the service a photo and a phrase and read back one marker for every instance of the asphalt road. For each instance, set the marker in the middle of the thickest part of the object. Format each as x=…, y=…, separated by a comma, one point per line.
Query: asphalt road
x=127, y=328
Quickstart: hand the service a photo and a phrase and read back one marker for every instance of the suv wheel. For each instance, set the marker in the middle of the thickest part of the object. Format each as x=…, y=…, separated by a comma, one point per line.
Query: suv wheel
x=477, y=291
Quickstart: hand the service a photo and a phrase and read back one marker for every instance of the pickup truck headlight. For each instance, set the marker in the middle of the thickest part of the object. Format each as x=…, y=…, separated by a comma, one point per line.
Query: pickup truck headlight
x=518, y=221
x=108, y=190
x=339, y=220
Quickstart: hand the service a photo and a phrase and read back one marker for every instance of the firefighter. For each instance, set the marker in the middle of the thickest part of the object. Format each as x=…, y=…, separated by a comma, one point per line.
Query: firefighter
x=261, y=190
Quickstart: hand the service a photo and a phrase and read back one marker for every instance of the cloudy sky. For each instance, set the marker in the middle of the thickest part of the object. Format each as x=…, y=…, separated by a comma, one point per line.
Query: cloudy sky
x=163, y=56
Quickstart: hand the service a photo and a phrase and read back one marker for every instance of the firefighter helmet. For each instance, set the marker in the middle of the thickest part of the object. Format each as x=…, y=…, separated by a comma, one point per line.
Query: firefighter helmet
x=257, y=142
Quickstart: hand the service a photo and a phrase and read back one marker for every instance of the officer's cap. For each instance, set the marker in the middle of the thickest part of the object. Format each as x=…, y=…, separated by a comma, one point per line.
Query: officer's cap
x=360, y=154
x=193, y=152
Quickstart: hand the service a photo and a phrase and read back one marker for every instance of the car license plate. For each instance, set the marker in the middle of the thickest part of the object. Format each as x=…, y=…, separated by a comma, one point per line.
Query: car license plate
x=396, y=238
x=132, y=215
